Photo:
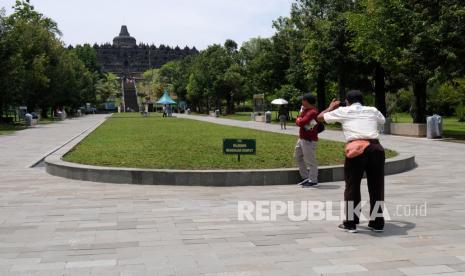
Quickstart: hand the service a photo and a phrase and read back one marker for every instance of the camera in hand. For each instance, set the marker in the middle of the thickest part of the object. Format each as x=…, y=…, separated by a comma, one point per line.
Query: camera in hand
x=343, y=103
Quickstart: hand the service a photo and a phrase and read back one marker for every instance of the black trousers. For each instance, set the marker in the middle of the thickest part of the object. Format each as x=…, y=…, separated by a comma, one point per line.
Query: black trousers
x=372, y=162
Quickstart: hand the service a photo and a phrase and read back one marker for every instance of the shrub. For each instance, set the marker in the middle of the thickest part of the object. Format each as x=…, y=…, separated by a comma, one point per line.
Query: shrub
x=243, y=108
x=404, y=102
x=460, y=112
x=442, y=99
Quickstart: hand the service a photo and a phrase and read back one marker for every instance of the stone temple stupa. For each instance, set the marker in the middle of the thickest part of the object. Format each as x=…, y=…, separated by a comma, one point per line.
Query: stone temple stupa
x=125, y=57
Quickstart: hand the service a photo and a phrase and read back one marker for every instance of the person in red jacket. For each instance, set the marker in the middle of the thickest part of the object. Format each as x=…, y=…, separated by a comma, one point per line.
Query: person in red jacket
x=305, y=149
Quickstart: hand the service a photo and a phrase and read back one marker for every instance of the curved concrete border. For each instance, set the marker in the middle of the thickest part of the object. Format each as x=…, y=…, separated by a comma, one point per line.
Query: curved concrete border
x=56, y=166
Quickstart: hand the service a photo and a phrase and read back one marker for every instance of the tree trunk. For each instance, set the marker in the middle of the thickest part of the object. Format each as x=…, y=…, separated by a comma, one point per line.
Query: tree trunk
x=207, y=105
x=380, y=89
x=44, y=112
x=1, y=108
x=230, y=103
x=419, y=102
x=218, y=104
x=321, y=92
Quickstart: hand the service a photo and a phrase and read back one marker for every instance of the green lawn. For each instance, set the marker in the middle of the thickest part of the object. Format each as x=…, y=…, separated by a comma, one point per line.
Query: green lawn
x=127, y=140
x=9, y=128
x=451, y=126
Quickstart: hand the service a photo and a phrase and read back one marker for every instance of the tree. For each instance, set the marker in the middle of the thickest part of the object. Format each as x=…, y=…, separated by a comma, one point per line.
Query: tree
x=233, y=82
x=206, y=83
x=326, y=53
x=24, y=11
x=288, y=46
x=11, y=67
x=418, y=40
x=376, y=26
x=36, y=70
x=436, y=48
x=151, y=84
x=87, y=54
x=230, y=46
x=258, y=57
x=175, y=75
x=107, y=87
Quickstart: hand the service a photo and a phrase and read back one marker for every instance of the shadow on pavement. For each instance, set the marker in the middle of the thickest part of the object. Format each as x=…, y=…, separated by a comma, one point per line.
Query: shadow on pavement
x=391, y=228
x=323, y=186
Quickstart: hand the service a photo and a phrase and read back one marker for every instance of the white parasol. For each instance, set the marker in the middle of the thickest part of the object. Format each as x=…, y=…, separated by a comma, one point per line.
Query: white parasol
x=279, y=102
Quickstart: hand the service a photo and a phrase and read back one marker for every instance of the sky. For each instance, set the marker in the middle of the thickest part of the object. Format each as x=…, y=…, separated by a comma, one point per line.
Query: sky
x=196, y=23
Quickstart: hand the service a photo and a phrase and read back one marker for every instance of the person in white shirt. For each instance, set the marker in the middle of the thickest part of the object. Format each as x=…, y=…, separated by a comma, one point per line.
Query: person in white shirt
x=364, y=153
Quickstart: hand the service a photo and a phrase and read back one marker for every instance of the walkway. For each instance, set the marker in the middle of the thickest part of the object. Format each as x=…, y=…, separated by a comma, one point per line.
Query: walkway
x=56, y=226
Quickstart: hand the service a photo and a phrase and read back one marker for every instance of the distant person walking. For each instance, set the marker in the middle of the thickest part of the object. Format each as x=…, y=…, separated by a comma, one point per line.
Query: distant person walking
x=283, y=117
x=363, y=153
x=305, y=149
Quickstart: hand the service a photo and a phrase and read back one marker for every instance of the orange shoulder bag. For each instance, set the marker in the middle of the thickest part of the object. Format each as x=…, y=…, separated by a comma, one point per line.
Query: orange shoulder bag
x=355, y=148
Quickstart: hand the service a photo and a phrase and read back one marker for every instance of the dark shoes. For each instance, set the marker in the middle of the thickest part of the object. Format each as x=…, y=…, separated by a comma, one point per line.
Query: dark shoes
x=375, y=229
x=345, y=228
x=353, y=229
x=307, y=184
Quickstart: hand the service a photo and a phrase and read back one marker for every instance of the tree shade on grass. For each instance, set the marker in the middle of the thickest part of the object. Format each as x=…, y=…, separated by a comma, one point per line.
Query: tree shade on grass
x=10, y=128
x=127, y=140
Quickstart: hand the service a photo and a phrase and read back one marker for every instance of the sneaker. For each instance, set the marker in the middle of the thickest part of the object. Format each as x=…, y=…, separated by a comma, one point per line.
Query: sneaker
x=344, y=228
x=303, y=182
x=309, y=184
x=377, y=230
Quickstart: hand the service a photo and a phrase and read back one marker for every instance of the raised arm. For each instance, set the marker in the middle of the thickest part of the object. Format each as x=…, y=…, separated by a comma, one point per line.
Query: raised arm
x=332, y=106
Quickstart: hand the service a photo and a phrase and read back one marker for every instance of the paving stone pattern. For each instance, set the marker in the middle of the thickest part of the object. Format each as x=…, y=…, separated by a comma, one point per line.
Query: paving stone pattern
x=56, y=226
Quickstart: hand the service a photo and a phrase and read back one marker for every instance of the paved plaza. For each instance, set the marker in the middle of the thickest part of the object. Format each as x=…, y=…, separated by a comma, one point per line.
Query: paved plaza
x=56, y=226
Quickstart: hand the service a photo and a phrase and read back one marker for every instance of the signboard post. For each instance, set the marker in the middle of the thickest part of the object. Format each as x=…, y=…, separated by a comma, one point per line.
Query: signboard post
x=259, y=103
x=239, y=147
x=22, y=112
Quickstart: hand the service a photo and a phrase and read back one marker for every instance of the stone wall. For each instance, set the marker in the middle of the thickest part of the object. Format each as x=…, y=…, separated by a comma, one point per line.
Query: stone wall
x=138, y=59
x=408, y=129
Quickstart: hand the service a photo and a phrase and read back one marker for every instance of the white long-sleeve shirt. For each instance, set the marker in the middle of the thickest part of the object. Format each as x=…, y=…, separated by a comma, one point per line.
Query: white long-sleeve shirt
x=358, y=121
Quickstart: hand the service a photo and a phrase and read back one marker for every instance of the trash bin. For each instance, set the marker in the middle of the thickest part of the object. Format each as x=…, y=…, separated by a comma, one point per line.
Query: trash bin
x=217, y=113
x=28, y=119
x=434, y=127
x=268, y=117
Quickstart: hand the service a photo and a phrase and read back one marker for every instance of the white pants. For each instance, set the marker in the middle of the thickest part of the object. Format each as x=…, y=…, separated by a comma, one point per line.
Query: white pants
x=305, y=155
